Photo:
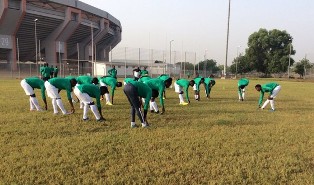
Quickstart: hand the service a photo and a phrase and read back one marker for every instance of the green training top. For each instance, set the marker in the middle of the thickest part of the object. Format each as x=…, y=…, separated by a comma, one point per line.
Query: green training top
x=242, y=82
x=110, y=81
x=45, y=71
x=266, y=88
x=37, y=83
x=127, y=80
x=62, y=84
x=92, y=90
x=207, y=84
x=144, y=72
x=185, y=84
x=197, y=81
x=164, y=77
x=144, y=79
x=143, y=91
x=84, y=79
x=113, y=72
x=158, y=85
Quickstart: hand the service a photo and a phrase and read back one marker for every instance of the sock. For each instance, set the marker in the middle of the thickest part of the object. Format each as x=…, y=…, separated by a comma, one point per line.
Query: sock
x=60, y=105
x=35, y=102
x=272, y=104
x=151, y=106
x=143, y=100
x=133, y=124
x=154, y=104
x=195, y=96
x=243, y=94
x=107, y=96
x=265, y=104
x=94, y=109
x=181, y=98
x=54, y=105
x=239, y=96
x=32, y=106
x=85, y=110
x=81, y=105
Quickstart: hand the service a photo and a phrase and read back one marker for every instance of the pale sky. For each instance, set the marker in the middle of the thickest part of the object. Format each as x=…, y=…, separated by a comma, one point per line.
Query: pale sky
x=199, y=25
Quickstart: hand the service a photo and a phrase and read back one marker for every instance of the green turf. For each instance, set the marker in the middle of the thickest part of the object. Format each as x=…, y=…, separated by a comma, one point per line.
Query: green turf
x=216, y=141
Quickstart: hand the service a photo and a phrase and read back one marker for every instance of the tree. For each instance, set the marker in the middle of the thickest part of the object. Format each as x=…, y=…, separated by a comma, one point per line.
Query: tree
x=186, y=65
x=209, y=65
x=269, y=51
x=241, y=65
x=301, y=67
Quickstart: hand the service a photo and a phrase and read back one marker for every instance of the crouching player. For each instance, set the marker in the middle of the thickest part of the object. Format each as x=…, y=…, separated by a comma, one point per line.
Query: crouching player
x=53, y=87
x=159, y=86
x=29, y=84
x=133, y=91
x=242, y=83
x=273, y=89
x=181, y=84
x=85, y=93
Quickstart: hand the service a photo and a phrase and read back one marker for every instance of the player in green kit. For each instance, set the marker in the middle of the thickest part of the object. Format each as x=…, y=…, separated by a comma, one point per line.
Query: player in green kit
x=196, y=87
x=164, y=77
x=85, y=93
x=159, y=86
x=45, y=72
x=179, y=86
x=273, y=90
x=208, y=83
x=113, y=72
x=144, y=72
x=53, y=86
x=87, y=80
x=113, y=83
x=29, y=84
x=242, y=83
x=133, y=91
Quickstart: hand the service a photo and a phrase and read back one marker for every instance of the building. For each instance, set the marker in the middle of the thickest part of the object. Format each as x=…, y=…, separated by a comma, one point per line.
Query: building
x=55, y=31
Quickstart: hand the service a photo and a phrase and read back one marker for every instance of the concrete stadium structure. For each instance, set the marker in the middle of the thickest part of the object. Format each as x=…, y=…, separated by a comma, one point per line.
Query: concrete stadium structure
x=54, y=31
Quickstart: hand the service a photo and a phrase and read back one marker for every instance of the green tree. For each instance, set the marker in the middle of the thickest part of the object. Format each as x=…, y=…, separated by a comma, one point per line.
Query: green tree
x=301, y=67
x=241, y=65
x=209, y=65
x=270, y=50
x=186, y=65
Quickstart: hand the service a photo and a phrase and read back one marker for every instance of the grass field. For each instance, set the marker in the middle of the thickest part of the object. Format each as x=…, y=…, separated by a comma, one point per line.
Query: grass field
x=216, y=141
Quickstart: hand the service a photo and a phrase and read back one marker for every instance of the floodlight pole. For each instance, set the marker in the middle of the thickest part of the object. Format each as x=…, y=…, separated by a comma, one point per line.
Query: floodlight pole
x=225, y=66
x=170, y=57
x=35, y=21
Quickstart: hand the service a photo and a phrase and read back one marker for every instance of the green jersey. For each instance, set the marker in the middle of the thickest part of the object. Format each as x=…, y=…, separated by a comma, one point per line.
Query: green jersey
x=144, y=79
x=62, y=84
x=113, y=72
x=45, y=71
x=37, y=83
x=266, y=88
x=209, y=83
x=128, y=80
x=143, y=91
x=92, y=90
x=197, y=81
x=55, y=71
x=158, y=85
x=84, y=79
x=110, y=81
x=164, y=77
x=242, y=82
x=144, y=72
x=185, y=84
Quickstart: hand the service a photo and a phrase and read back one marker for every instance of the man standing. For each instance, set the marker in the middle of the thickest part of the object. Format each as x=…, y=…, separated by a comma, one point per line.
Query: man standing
x=53, y=86
x=242, y=83
x=55, y=71
x=144, y=72
x=113, y=83
x=29, y=84
x=85, y=93
x=45, y=72
x=273, y=90
x=159, y=86
x=113, y=72
x=133, y=91
x=179, y=86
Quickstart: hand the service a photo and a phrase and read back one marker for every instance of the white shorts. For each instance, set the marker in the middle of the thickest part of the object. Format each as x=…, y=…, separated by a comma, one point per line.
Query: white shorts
x=83, y=97
x=102, y=84
x=27, y=88
x=52, y=91
x=177, y=88
x=275, y=91
x=194, y=87
x=136, y=74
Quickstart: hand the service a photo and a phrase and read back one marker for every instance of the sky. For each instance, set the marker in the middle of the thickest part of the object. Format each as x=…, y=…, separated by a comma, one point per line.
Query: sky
x=201, y=25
